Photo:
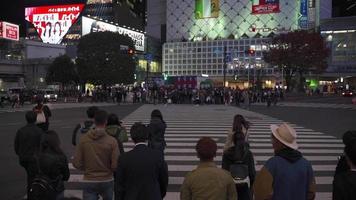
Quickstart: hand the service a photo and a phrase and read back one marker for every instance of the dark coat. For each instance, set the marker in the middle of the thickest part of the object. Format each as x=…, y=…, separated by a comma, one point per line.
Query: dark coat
x=157, y=129
x=55, y=166
x=142, y=174
x=27, y=142
x=344, y=186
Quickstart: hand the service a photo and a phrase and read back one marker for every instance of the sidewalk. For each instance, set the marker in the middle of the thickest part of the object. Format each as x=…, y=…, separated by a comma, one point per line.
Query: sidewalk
x=55, y=106
x=310, y=105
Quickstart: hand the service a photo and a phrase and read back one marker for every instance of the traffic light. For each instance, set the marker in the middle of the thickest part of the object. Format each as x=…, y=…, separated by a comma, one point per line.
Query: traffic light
x=250, y=52
x=131, y=52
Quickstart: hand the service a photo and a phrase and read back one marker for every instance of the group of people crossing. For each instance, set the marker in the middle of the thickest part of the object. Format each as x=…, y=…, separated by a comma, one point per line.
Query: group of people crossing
x=142, y=173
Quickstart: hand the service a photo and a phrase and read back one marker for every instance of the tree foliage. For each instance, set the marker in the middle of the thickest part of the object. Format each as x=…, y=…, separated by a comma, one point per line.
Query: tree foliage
x=100, y=60
x=298, y=52
x=62, y=70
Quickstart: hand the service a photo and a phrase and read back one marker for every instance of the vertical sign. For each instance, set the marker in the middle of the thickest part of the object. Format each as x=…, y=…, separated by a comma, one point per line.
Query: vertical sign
x=206, y=9
x=9, y=31
x=303, y=19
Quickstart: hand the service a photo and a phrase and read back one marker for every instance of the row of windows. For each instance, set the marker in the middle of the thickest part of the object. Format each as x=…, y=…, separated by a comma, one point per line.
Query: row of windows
x=216, y=43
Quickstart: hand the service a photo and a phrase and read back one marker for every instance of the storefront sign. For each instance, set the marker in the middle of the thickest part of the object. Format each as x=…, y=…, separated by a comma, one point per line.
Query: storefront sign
x=9, y=31
x=265, y=6
x=53, y=22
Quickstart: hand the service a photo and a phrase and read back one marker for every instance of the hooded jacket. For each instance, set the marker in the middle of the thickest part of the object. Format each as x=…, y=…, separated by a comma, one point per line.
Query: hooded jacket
x=157, y=129
x=96, y=155
x=344, y=186
x=285, y=176
x=114, y=131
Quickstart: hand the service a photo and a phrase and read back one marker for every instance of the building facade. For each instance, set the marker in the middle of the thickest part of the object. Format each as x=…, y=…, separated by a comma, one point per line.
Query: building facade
x=198, y=31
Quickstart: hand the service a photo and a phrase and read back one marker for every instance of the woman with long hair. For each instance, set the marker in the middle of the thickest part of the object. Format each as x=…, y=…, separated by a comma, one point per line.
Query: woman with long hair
x=53, y=163
x=157, y=129
x=238, y=157
x=115, y=129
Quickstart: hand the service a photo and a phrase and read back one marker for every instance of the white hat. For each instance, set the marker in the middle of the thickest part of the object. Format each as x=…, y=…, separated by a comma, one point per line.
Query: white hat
x=286, y=135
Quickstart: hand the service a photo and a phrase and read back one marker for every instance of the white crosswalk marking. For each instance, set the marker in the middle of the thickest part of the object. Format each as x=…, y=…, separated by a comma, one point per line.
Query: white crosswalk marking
x=186, y=124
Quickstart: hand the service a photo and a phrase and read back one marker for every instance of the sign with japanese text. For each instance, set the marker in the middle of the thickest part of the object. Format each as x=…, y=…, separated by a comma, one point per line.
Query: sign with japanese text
x=265, y=6
x=9, y=31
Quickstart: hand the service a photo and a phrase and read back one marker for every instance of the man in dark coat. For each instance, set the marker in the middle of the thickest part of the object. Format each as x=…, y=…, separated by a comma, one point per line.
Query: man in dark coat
x=142, y=173
x=27, y=143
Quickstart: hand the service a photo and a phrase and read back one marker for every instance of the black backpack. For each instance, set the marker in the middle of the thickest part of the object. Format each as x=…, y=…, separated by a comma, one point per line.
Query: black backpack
x=239, y=170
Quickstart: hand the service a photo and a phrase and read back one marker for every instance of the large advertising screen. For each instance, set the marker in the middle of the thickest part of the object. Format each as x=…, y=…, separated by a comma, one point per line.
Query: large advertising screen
x=53, y=22
x=265, y=6
x=206, y=9
x=90, y=25
x=9, y=31
x=98, y=1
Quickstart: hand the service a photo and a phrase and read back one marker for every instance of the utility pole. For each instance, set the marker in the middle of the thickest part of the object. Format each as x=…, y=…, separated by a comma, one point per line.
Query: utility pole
x=225, y=65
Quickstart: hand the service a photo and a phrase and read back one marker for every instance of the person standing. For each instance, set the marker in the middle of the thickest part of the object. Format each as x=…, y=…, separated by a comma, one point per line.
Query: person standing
x=27, y=143
x=142, y=173
x=156, y=130
x=53, y=163
x=96, y=155
x=87, y=124
x=287, y=175
x=240, y=125
x=207, y=181
x=43, y=114
x=239, y=158
x=344, y=184
x=115, y=129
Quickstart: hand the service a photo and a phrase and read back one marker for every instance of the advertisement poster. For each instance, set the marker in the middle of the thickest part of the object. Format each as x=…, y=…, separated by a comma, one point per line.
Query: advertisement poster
x=265, y=6
x=207, y=9
x=53, y=22
x=303, y=20
x=98, y=1
x=91, y=25
x=9, y=31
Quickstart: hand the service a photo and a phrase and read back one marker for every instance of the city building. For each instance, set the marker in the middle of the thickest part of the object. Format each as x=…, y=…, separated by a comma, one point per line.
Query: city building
x=199, y=31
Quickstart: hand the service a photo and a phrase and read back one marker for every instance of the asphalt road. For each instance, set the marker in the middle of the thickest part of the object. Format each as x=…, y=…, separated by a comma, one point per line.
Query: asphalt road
x=13, y=176
x=332, y=121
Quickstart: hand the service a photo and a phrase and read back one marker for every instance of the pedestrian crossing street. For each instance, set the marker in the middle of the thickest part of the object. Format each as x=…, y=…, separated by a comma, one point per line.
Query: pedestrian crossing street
x=187, y=123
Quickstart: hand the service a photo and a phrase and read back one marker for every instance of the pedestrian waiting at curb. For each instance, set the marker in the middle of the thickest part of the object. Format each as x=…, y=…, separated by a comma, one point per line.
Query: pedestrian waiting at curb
x=287, y=175
x=208, y=181
x=53, y=170
x=27, y=143
x=157, y=128
x=86, y=125
x=43, y=114
x=97, y=154
x=344, y=184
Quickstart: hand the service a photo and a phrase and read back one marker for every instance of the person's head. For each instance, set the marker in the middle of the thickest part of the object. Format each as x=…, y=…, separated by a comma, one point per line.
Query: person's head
x=349, y=137
x=113, y=120
x=206, y=149
x=91, y=111
x=100, y=118
x=350, y=151
x=156, y=114
x=139, y=132
x=50, y=142
x=239, y=122
x=283, y=136
x=39, y=100
x=31, y=117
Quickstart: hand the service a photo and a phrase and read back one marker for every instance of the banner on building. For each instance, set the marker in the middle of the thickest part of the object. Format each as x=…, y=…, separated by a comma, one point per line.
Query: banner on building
x=90, y=25
x=265, y=6
x=207, y=9
x=98, y=1
x=303, y=19
x=53, y=22
x=9, y=31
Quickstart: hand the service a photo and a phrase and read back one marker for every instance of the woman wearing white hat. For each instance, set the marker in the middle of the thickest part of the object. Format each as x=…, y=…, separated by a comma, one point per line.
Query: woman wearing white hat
x=287, y=175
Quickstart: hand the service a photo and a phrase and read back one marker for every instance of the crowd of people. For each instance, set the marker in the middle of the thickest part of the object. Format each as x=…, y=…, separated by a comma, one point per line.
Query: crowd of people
x=142, y=173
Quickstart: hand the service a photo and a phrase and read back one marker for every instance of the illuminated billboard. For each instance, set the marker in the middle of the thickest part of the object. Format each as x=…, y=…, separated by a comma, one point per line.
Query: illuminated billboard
x=9, y=31
x=90, y=25
x=265, y=6
x=206, y=9
x=98, y=1
x=53, y=22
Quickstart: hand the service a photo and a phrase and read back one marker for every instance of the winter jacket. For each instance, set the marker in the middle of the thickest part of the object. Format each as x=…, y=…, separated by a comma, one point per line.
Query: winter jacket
x=208, y=182
x=233, y=154
x=344, y=186
x=96, y=154
x=285, y=176
x=55, y=166
x=27, y=142
x=157, y=129
x=115, y=131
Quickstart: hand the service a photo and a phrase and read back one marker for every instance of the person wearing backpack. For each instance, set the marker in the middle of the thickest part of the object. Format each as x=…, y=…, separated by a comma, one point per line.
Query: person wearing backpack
x=43, y=114
x=86, y=125
x=157, y=128
x=116, y=130
x=239, y=161
x=53, y=170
